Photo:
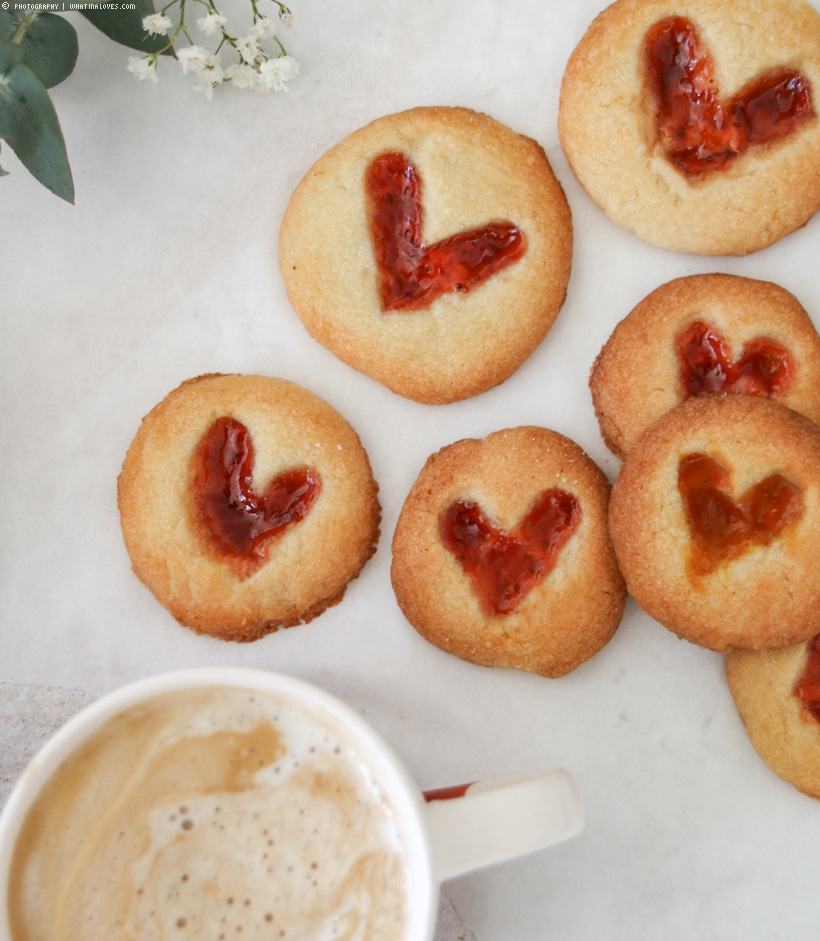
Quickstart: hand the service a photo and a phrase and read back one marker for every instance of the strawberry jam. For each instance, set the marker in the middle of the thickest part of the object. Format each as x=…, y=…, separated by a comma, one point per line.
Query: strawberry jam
x=447, y=793
x=706, y=365
x=698, y=131
x=237, y=522
x=723, y=529
x=412, y=274
x=808, y=686
x=504, y=566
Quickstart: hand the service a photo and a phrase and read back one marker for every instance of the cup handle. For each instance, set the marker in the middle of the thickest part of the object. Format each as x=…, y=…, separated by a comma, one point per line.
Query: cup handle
x=476, y=825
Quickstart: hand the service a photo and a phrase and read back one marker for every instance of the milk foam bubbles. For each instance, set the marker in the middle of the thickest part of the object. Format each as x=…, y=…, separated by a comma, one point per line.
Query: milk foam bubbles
x=211, y=813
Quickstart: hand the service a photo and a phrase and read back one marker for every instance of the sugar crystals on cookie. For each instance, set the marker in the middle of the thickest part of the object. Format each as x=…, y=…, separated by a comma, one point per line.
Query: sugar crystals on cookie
x=700, y=334
x=430, y=250
x=501, y=554
x=696, y=126
x=247, y=504
x=715, y=521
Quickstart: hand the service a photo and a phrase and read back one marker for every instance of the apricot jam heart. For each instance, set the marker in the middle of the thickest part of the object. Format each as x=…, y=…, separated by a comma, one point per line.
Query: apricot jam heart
x=764, y=367
x=412, y=274
x=698, y=131
x=503, y=567
x=723, y=529
x=237, y=522
x=808, y=685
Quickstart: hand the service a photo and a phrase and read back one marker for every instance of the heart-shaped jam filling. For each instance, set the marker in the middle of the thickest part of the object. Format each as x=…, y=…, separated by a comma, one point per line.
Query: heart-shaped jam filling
x=722, y=528
x=504, y=566
x=764, y=367
x=697, y=129
x=808, y=685
x=412, y=274
x=237, y=522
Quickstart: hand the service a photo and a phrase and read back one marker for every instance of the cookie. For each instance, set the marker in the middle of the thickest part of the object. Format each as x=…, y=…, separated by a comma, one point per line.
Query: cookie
x=501, y=554
x=430, y=250
x=704, y=333
x=247, y=504
x=695, y=125
x=777, y=694
x=715, y=521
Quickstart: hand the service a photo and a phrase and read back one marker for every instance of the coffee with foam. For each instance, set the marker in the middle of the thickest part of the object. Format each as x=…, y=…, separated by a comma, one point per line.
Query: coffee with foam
x=211, y=813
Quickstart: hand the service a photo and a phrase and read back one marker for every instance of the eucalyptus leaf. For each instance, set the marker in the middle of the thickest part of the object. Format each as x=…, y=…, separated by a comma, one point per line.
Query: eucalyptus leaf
x=28, y=122
x=10, y=55
x=125, y=26
x=9, y=21
x=49, y=45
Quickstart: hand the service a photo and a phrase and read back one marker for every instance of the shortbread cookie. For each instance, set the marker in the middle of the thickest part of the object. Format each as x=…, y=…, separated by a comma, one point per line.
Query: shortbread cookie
x=429, y=250
x=715, y=520
x=247, y=504
x=704, y=333
x=728, y=174
x=501, y=554
x=777, y=693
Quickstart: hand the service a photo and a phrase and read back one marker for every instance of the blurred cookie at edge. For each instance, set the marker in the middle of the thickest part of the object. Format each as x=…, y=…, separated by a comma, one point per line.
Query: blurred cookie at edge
x=777, y=694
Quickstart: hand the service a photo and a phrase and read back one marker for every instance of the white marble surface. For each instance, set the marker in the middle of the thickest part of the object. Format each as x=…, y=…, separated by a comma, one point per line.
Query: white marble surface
x=165, y=269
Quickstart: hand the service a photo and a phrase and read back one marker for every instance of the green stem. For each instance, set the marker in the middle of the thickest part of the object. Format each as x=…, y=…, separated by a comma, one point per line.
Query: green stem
x=181, y=28
x=226, y=38
x=23, y=28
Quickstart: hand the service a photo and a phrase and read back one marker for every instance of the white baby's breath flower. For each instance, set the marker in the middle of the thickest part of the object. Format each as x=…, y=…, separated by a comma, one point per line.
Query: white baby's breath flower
x=276, y=73
x=248, y=48
x=144, y=67
x=212, y=69
x=254, y=69
x=193, y=58
x=242, y=75
x=204, y=87
x=209, y=76
x=157, y=24
x=263, y=28
x=211, y=23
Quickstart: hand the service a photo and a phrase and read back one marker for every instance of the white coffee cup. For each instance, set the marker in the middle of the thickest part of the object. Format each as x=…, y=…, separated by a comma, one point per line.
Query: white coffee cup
x=444, y=833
